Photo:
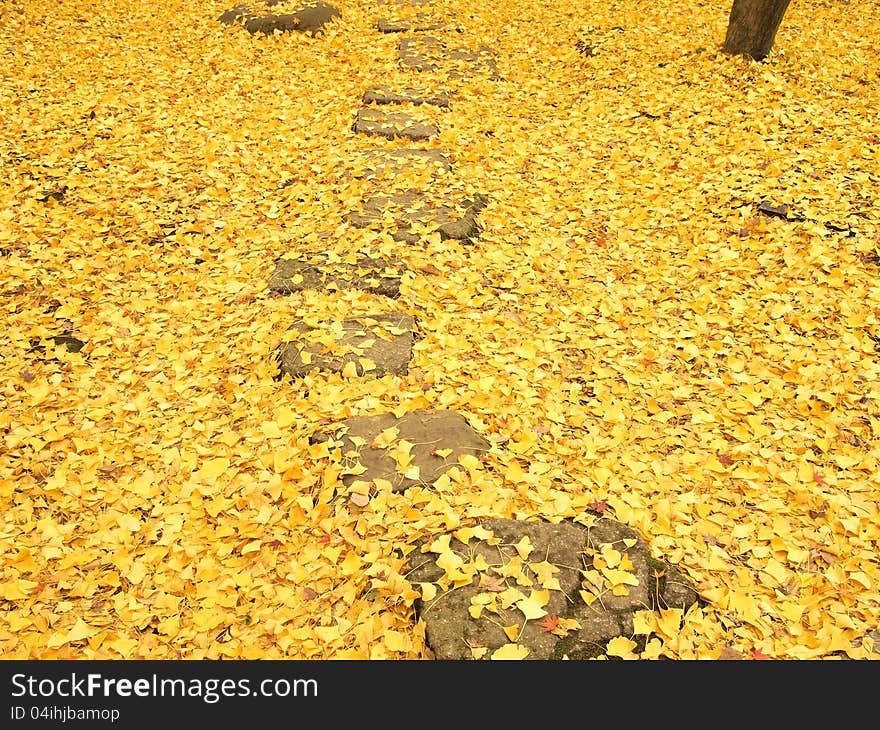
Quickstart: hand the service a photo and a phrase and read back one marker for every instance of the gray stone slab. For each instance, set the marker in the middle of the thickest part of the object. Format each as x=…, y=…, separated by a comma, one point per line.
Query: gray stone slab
x=375, y=274
x=386, y=95
x=562, y=559
x=454, y=217
x=427, y=53
x=374, y=344
x=391, y=125
x=309, y=19
x=236, y=14
x=420, y=434
x=392, y=163
x=419, y=23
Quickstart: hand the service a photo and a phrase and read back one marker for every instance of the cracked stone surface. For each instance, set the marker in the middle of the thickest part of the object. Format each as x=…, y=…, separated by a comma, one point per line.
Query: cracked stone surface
x=426, y=53
x=393, y=124
x=592, y=575
x=376, y=274
x=380, y=164
x=401, y=213
x=309, y=19
x=373, y=344
x=386, y=95
x=415, y=449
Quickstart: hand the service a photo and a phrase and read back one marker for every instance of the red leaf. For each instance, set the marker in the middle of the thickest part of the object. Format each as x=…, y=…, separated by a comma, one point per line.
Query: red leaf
x=599, y=506
x=549, y=623
x=724, y=459
x=818, y=478
x=758, y=654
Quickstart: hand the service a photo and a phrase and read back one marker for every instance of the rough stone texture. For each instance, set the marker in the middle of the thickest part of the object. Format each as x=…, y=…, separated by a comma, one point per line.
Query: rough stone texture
x=393, y=163
x=310, y=18
x=454, y=218
x=419, y=23
x=375, y=344
x=233, y=15
x=386, y=95
x=427, y=431
x=426, y=53
x=875, y=638
x=71, y=343
x=320, y=271
x=396, y=124
x=453, y=633
x=779, y=211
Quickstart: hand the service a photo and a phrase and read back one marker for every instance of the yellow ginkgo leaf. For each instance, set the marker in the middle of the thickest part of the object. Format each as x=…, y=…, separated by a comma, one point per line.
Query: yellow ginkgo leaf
x=510, y=651
x=530, y=608
x=622, y=647
x=511, y=631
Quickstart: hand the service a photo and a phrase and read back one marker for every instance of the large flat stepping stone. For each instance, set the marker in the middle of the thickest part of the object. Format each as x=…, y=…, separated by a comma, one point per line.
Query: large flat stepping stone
x=426, y=53
x=371, y=345
x=407, y=3
x=309, y=19
x=375, y=274
x=393, y=163
x=391, y=125
x=420, y=22
x=399, y=213
x=536, y=590
x=386, y=95
x=415, y=449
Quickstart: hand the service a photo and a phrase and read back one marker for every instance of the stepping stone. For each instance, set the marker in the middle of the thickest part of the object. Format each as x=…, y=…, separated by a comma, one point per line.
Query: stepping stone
x=396, y=124
x=421, y=22
x=372, y=345
x=562, y=590
x=452, y=218
x=392, y=163
x=71, y=343
x=779, y=211
x=407, y=3
x=309, y=19
x=236, y=14
x=415, y=449
x=426, y=53
x=385, y=95
x=377, y=275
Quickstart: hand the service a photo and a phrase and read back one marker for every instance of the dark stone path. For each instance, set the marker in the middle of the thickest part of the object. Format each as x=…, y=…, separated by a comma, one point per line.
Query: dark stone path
x=309, y=19
x=492, y=583
x=371, y=345
x=392, y=124
x=500, y=581
x=371, y=273
x=413, y=449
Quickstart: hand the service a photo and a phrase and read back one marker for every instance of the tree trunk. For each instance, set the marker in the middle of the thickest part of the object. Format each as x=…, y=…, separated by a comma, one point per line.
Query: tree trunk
x=752, y=27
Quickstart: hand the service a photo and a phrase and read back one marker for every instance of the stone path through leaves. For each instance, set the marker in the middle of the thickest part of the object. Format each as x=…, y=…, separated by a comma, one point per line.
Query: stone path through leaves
x=590, y=610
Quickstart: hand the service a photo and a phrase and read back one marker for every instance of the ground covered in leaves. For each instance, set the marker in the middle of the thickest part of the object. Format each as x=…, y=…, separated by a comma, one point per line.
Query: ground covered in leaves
x=629, y=332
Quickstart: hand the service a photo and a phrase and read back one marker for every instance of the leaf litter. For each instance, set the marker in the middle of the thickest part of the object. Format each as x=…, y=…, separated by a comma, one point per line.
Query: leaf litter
x=628, y=330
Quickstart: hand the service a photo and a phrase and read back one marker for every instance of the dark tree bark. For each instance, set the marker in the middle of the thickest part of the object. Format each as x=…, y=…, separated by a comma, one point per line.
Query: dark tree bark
x=752, y=27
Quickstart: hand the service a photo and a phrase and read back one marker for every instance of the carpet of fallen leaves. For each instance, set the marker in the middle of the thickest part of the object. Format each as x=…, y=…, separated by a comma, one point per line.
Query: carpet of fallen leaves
x=628, y=331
